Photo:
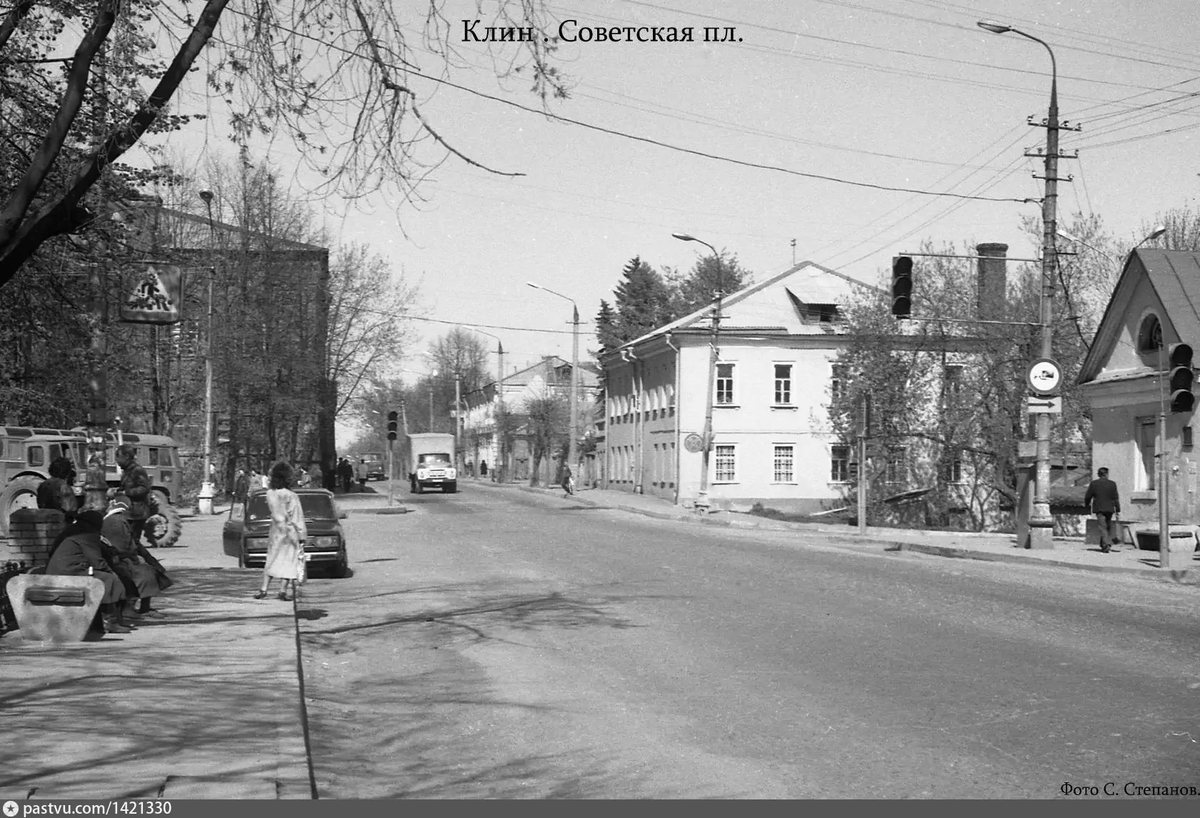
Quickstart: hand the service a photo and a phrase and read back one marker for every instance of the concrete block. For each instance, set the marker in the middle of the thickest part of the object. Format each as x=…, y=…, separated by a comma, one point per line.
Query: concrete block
x=54, y=622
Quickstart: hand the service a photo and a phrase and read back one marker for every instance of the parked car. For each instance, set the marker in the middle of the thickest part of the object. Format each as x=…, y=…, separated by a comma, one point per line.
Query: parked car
x=245, y=532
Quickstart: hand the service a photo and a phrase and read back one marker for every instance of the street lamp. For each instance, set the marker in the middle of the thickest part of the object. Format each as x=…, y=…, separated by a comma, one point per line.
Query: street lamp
x=205, y=500
x=1153, y=234
x=1041, y=524
x=702, y=502
x=571, y=444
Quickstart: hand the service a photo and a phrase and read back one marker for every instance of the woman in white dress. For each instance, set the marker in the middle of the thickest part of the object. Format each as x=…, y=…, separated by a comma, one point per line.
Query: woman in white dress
x=286, y=536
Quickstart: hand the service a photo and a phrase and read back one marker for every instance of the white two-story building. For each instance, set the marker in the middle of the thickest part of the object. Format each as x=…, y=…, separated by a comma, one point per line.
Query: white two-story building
x=772, y=440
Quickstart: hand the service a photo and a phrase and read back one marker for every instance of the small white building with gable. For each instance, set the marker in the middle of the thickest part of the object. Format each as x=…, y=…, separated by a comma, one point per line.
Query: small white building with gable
x=772, y=439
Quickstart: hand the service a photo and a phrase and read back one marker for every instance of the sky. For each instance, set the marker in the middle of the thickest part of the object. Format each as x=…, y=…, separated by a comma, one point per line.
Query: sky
x=855, y=112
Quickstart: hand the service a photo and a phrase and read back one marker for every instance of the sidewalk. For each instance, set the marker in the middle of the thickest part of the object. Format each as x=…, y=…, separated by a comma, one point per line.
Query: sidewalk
x=203, y=702
x=1068, y=552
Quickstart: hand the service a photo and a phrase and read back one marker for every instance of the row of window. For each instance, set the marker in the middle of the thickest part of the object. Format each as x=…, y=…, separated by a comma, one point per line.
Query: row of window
x=727, y=385
x=725, y=465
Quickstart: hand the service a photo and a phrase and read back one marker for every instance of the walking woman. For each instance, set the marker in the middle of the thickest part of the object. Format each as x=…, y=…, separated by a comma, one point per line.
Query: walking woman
x=286, y=536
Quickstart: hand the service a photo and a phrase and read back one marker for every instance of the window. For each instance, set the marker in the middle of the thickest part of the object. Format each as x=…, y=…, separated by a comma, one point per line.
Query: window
x=820, y=313
x=726, y=461
x=954, y=380
x=837, y=381
x=783, y=384
x=839, y=464
x=1149, y=334
x=784, y=460
x=1147, y=439
x=37, y=456
x=952, y=467
x=894, y=467
x=725, y=384
x=152, y=456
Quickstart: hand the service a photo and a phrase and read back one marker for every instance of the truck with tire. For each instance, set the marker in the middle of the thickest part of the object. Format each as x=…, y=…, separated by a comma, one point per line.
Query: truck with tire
x=27, y=452
x=429, y=460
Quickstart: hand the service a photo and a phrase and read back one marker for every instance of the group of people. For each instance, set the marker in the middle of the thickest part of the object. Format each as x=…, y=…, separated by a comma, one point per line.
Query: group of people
x=349, y=473
x=105, y=543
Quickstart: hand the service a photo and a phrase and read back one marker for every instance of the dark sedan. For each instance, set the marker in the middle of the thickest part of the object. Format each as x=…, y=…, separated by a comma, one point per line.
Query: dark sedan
x=245, y=532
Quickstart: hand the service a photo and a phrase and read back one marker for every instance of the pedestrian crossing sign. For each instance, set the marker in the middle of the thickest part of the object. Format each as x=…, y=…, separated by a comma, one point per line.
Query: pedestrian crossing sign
x=152, y=294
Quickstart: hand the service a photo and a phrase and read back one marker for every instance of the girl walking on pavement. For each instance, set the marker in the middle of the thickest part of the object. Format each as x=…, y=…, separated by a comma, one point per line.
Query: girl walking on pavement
x=286, y=536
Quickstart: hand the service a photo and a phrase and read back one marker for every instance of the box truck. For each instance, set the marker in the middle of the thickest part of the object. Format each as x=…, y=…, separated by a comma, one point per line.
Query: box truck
x=429, y=459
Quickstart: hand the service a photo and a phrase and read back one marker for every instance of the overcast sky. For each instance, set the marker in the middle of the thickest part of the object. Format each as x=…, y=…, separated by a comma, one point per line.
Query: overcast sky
x=873, y=94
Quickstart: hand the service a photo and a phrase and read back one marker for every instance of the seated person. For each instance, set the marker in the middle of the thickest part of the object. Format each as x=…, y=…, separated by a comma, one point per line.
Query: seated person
x=142, y=575
x=59, y=491
x=79, y=551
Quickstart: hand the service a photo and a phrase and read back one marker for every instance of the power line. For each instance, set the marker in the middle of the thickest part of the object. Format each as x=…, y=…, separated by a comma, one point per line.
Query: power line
x=644, y=139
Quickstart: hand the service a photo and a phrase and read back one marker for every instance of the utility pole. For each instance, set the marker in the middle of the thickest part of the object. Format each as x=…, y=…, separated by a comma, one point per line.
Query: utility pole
x=1041, y=523
x=457, y=417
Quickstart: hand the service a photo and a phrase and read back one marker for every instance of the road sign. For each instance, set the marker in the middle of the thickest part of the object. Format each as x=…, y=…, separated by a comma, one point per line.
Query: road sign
x=694, y=443
x=1043, y=406
x=1045, y=376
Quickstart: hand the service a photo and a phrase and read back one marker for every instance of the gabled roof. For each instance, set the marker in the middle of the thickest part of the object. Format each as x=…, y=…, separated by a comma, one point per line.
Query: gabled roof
x=821, y=286
x=1174, y=276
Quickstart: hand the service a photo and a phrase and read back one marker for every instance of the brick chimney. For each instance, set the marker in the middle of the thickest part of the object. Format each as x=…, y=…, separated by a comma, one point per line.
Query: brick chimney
x=992, y=276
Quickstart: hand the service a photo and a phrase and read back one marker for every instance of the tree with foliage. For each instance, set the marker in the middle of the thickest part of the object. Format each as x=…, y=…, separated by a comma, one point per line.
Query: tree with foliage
x=709, y=276
x=337, y=79
x=548, y=418
x=947, y=399
x=643, y=301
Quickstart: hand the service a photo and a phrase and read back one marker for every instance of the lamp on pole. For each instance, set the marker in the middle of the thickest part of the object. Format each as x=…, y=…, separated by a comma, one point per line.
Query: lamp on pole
x=571, y=443
x=205, y=500
x=1153, y=234
x=1041, y=524
x=702, y=502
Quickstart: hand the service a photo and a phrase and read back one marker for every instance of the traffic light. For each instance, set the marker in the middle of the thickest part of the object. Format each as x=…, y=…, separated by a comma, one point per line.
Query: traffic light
x=902, y=286
x=1181, y=377
x=391, y=425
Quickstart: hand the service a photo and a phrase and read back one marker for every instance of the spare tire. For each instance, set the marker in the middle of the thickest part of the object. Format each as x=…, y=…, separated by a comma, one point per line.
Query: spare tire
x=166, y=523
x=20, y=493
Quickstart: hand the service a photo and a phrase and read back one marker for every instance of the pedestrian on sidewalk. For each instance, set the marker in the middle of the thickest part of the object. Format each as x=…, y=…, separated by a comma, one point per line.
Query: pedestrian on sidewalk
x=135, y=484
x=286, y=536
x=1103, y=499
x=568, y=481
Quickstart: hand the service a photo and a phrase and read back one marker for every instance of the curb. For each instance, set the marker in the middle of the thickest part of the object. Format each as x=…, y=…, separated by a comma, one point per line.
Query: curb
x=1185, y=576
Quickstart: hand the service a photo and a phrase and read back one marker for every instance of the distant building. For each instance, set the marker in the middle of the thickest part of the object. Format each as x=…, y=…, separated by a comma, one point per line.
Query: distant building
x=549, y=376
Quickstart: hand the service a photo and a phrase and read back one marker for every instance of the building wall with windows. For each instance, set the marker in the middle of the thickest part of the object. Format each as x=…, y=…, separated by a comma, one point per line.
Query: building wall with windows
x=772, y=439
x=1155, y=304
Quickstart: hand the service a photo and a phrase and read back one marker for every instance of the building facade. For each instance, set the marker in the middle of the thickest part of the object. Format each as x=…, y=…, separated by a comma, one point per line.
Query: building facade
x=772, y=440
x=1125, y=378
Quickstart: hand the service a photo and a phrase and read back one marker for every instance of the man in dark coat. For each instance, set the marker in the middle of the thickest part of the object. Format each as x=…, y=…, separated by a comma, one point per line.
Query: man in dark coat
x=1104, y=501
x=141, y=574
x=79, y=551
x=345, y=473
x=135, y=484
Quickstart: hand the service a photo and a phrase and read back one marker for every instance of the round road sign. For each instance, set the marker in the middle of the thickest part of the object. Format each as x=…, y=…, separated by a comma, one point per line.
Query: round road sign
x=693, y=443
x=1045, y=377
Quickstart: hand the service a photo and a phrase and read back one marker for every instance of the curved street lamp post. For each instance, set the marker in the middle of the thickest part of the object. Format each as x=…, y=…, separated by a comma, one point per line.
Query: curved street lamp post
x=1041, y=523
x=702, y=502
x=207, y=489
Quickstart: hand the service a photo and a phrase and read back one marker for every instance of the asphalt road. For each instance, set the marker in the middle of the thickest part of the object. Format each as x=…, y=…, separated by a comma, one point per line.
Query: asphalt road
x=500, y=644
